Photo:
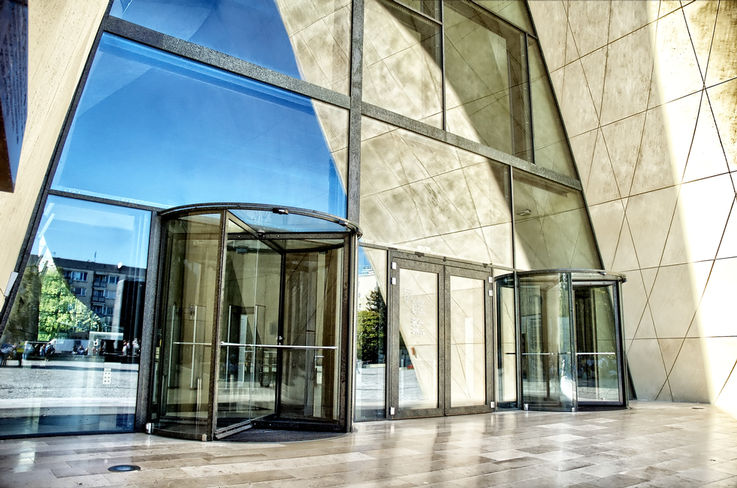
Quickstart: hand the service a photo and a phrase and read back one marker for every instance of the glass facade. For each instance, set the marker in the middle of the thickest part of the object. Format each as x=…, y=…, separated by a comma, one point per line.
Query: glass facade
x=262, y=144
x=74, y=332
x=154, y=130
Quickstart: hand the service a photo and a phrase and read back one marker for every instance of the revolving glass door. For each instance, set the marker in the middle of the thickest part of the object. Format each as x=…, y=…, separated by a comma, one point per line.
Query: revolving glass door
x=253, y=324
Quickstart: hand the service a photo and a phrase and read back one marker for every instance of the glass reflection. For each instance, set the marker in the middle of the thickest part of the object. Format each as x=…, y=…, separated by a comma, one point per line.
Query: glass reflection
x=486, y=80
x=423, y=195
x=371, y=335
x=551, y=143
x=418, y=339
x=280, y=34
x=160, y=122
x=512, y=10
x=506, y=343
x=467, y=342
x=552, y=226
x=401, y=69
x=546, y=342
x=71, y=347
x=596, y=344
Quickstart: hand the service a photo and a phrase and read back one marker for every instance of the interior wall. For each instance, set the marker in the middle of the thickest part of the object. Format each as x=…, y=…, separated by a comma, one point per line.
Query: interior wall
x=60, y=36
x=647, y=90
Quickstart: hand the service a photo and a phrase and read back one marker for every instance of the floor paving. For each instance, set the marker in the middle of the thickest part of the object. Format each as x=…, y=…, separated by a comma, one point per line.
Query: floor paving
x=648, y=445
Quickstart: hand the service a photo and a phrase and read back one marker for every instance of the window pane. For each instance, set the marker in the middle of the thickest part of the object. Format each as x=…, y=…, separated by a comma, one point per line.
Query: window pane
x=289, y=36
x=506, y=343
x=401, y=70
x=74, y=332
x=155, y=128
x=485, y=85
x=423, y=195
x=427, y=7
x=551, y=225
x=551, y=146
x=467, y=342
x=371, y=335
x=512, y=10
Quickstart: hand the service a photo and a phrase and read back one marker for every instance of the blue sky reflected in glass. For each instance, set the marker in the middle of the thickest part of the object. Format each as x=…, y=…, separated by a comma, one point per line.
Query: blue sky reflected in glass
x=248, y=29
x=155, y=128
x=87, y=231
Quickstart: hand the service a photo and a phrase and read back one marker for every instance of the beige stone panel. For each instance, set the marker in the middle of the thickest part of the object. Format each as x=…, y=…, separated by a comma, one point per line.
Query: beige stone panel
x=689, y=380
x=454, y=190
x=701, y=215
x=589, y=21
x=582, y=146
x=550, y=21
x=387, y=162
x=60, y=35
x=572, y=53
x=669, y=349
x=601, y=185
x=646, y=367
x=700, y=18
x=728, y=247
x=723, y=101
x=623, y=141
x=625, y=257
x=676, y=70
x=633, y=303
x=675, y=297
x=646, y=329
x=607, y=219
x=628, y=16
x=628, y=71
x=716, y=316
x=668, y=6
x=665, y=394
x=727, y=399
x=594, y=66
x=576, y=104
x=721, y=59
x=648, y=278
x=379, y=225
x=649, y=216
x=706, y=157
x=666, y=140
x=371, y=128
x=434, y=157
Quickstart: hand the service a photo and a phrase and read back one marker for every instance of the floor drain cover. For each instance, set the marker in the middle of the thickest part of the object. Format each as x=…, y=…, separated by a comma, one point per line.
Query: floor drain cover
x=122, y=468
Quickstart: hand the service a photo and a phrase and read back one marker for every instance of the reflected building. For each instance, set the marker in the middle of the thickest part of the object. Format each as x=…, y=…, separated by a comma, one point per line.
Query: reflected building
x=310, y=213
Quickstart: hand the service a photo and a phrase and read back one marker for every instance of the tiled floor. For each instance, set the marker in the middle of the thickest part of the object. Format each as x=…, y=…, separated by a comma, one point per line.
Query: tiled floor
x=651, y=444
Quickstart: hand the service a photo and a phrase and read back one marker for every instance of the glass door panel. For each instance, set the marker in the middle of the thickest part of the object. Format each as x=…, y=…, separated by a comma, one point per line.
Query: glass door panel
x=190, y=293
x=596, y=344
x=468, y=365
x=309, y=351
x=545, y=334
x=506, y=343
x=250, y=314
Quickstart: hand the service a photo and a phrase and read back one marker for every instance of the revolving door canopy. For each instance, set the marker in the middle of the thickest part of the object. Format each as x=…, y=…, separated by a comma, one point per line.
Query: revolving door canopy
x=253, y=320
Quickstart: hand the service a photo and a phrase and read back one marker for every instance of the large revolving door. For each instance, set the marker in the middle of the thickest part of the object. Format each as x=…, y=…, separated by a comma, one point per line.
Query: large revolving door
x=252, y=326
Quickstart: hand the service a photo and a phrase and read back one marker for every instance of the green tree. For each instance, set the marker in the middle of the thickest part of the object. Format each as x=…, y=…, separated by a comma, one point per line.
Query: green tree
x=60, y=312
x=372, y=328
x=23, y=321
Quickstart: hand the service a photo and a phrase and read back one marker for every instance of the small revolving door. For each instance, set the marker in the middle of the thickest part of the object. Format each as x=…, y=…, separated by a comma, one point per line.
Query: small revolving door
x=253, y=324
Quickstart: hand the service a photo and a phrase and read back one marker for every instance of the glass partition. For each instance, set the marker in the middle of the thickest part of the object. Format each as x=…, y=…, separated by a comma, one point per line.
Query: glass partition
x=546, y=342
x=506, y=342
x=467, y=341
x=71, y=346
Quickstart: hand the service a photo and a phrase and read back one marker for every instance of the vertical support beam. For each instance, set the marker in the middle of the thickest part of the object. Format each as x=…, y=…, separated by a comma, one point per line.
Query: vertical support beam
x=147, y=336
x=353, y=185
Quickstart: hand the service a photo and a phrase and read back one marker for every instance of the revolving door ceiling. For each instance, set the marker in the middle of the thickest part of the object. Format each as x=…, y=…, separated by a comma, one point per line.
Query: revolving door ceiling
x=252, y=326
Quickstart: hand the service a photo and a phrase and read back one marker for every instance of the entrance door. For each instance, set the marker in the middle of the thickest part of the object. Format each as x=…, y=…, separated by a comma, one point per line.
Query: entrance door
x=598, y=366
x=438, y=338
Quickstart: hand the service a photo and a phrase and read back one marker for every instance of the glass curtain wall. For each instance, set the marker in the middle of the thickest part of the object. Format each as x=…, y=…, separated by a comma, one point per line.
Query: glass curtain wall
x=71, y=347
